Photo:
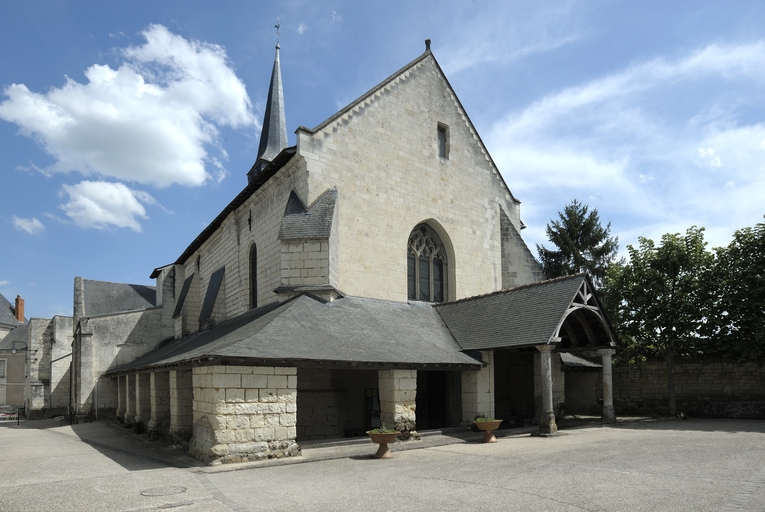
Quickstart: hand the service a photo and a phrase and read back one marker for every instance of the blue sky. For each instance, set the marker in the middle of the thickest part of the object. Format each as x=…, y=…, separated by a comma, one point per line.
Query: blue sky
x=126, y=127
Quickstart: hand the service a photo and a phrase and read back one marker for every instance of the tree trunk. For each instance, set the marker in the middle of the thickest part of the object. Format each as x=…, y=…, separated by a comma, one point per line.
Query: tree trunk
x=670, y=359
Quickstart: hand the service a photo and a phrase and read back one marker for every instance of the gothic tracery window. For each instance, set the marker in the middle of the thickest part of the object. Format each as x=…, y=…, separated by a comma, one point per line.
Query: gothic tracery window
x=426, y=265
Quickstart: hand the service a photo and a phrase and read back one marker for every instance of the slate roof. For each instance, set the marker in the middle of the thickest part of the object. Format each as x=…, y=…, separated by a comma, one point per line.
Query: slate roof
x=522, y=316
x=315, y=222
x=101, y=297
x=304, y=329
x=573, y=361
x=7, y=314
x=19, y=334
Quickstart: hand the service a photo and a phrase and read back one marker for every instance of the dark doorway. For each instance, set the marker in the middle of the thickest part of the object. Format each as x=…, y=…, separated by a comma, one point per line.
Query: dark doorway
x=439, y=399
x=513, y=385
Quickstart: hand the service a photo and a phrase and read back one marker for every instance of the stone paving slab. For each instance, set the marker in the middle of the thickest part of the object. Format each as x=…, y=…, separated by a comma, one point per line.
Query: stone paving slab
x=636, y=465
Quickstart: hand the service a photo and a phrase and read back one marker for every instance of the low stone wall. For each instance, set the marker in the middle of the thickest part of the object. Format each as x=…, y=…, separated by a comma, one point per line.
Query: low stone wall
x=244, y=413
x=709, y=389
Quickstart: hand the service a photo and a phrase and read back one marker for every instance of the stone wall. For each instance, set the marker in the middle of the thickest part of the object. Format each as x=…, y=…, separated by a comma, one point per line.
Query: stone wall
x=257, y=221
x=382, y=155
x=104, y=343
x=320, y=407
x=478, y=391
x=398, y=395
x=713, y=389
x=244, y=413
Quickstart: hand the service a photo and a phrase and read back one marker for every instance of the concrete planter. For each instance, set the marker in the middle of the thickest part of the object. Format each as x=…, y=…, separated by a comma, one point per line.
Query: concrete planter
x=487, y=427
x=383, y=452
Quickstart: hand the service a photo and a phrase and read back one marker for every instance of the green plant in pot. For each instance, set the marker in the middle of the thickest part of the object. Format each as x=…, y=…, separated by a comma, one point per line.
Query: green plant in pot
x=488, y=424
x=383, y=436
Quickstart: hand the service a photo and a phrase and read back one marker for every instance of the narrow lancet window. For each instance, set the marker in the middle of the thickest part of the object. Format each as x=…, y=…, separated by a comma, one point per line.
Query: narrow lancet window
x=253, y=277
x=443, y=141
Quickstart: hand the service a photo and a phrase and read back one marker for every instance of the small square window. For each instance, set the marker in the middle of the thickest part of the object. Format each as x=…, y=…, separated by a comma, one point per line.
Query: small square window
x=443, y=140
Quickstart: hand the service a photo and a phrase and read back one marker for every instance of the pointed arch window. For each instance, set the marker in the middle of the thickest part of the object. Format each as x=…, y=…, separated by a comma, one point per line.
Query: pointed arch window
x=253, y=276
x=426, y=266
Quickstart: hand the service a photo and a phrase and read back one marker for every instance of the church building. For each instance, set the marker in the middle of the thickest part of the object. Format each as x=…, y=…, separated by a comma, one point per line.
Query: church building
x=373, y=273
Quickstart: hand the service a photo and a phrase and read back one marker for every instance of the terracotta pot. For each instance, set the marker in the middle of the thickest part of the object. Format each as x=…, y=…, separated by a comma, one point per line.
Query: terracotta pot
x=383, y=452
x=488, y=426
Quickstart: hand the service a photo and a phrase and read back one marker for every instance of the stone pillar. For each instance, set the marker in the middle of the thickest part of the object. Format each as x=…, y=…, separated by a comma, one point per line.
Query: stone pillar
x=244, y=413
x=547, y=417
x=121, y=397
x=478, y=391
x=398, y=393
x=160, y=404
x=181, y=406
x=130, y=410
x=143, y=401
x=609, y=416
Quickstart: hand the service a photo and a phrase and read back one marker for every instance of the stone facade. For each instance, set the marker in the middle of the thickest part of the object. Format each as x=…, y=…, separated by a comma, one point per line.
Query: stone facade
x=181, y=406
x=244, y=413
x=398, y=401
x=478, y=391
x=716, y=389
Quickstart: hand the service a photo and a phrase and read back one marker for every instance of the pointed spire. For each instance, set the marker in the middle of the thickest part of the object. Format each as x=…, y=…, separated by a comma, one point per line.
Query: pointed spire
x=273, y=137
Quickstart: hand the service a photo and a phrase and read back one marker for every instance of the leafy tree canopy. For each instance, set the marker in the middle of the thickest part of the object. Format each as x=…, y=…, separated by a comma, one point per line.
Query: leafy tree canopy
x=736, y=327
x=660, y=298
x=582, y=243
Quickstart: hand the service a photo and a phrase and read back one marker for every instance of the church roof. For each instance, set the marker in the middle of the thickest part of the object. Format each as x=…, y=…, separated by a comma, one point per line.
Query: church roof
x=301, y=223
x=523, y=316
x=7, y=312
x=307, y=330
x=101, y=297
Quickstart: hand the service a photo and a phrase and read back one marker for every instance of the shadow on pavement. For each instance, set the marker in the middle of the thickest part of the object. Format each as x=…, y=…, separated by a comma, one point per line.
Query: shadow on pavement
x=732, y=426
x=117, y=444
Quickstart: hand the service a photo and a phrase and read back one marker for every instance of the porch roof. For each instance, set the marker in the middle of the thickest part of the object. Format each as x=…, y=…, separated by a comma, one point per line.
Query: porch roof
x=306, y=329
x=524, y=316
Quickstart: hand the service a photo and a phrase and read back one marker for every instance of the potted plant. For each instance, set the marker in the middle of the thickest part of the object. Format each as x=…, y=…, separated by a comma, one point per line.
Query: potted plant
x=487, y=424
x=383, y=436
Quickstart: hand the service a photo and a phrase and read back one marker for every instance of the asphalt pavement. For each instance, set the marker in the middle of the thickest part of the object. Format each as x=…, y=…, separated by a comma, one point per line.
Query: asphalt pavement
x=637, y=465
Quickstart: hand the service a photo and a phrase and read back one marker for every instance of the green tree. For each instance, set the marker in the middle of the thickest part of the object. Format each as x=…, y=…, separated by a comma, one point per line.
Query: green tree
x=737, y=318
x=582, y=243
x=659, y=299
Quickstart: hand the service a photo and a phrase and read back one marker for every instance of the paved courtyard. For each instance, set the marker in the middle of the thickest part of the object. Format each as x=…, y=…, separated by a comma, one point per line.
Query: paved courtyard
x=638, y=465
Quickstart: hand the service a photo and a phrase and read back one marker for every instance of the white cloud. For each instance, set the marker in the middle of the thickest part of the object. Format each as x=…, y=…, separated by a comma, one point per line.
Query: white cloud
x=101, y=205
x=4, y=282
x=31, y=226
x=302, y=28
x=148, y=121
x=657, y=147
x=336, y=18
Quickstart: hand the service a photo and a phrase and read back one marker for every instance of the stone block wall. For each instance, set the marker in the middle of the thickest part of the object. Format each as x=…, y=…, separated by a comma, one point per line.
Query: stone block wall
x=160, y=404
x=711, y=389
x=181, y=406
x=478, y=391
x=304, y=263
x=398, y=394
x=320, y=407
x=244, y=413
x=584, y=392
x=382, y=155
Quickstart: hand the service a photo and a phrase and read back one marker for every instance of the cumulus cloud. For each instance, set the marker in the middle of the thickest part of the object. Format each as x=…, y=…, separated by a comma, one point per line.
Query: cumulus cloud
x=4, y=282
x=302, y=28
x=150, y=121
x=100, y=205
x=31, y=226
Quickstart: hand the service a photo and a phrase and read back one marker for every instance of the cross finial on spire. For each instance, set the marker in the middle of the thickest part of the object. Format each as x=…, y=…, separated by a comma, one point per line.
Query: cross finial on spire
x=277, y=27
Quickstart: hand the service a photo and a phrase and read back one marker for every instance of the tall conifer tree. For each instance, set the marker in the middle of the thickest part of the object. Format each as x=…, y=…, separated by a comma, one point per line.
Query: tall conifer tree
x=582, y=243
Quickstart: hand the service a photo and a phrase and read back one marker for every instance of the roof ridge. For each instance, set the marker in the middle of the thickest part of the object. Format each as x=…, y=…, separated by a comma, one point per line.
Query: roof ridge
x=516, y=288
